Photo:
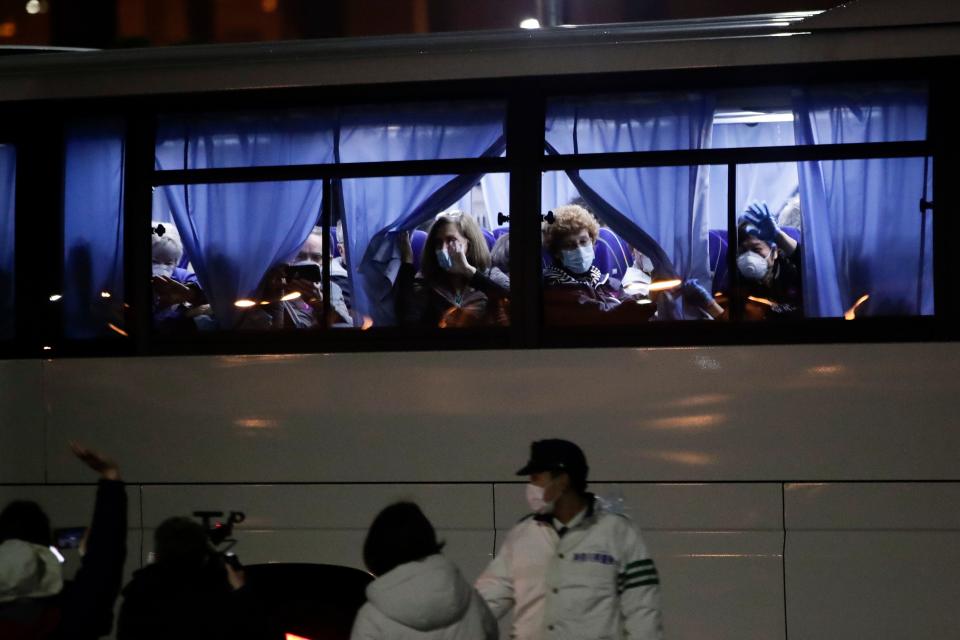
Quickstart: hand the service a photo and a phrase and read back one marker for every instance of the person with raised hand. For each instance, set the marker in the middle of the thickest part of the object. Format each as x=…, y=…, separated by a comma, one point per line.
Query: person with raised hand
x=768, y=261
x=35, y=600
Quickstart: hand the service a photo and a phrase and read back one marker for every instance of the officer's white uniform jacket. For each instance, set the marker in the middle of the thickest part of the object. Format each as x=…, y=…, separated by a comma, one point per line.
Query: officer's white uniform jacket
x=596, y=581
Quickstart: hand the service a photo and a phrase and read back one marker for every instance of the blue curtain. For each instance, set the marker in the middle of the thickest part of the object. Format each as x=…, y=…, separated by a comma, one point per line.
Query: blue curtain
x=235, y=232
x=93, y=228
x=659, y=210
x=252, y=139
x=375, y=210
x=863, y=233
x=773, y=182
x=8, y=172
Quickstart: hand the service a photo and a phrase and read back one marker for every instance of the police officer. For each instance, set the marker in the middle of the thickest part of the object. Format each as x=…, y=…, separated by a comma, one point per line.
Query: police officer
x=571, y=570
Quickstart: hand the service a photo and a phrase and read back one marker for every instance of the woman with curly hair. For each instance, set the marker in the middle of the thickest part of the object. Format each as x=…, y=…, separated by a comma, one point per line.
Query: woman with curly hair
x=575, y=291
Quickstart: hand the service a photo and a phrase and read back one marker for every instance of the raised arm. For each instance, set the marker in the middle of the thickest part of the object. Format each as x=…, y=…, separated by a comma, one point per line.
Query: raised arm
x=88, y=605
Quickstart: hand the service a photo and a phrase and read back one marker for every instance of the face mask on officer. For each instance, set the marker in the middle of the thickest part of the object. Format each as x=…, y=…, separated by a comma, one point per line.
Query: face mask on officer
x=536, y=501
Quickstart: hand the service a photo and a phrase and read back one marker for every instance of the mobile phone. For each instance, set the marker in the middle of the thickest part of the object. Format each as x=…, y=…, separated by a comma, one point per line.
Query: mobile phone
x=68, y=537
x=309, y=271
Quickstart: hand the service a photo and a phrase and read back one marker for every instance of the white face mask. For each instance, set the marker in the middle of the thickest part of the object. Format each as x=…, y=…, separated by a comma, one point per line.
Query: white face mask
x=536, y=501
x=578, y=260
x=163, y=270
x=752, y=265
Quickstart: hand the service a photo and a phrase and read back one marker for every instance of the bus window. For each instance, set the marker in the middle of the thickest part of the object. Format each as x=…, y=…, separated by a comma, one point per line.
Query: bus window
x=851, y=244
x=420, y=250
x=228, y=257
x=93, y=283
x=431, y=131
x=8, y=166
x=628, y=246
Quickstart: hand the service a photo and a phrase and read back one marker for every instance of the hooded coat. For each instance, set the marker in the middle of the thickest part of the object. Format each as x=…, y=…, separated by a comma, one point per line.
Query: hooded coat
x=424, y=600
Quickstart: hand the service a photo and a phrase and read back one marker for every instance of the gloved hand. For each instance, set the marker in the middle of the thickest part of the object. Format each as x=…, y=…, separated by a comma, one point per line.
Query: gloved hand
x=694, y=292
x=760, y=223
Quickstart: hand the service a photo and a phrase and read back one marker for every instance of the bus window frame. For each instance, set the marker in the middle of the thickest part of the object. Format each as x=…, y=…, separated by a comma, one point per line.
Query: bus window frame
x=525, y=100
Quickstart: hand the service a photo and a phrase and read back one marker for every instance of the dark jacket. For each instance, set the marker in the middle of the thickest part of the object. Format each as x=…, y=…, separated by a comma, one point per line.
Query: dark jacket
x=587, y=299
x=162, y=602
x=421, y=304
x=785, y=289
x=84, y=608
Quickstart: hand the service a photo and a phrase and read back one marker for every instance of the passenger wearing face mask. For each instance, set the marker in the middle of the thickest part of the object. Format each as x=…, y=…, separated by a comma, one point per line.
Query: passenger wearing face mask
x=575, y=290
x=454, y=288
x=769, y=265
x=571, y=570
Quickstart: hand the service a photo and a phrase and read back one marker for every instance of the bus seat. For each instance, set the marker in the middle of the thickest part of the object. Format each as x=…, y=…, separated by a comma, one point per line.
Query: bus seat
x=605, y=259
x=499, y=231
x=489, y=237
x=621, y=250
x=417, y=239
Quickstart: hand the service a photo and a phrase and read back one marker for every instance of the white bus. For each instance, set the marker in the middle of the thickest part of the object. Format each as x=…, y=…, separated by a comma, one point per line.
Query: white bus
x=792, y=458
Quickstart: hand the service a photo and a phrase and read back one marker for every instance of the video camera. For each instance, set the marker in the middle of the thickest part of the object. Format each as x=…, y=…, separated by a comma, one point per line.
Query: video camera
x=219, y=533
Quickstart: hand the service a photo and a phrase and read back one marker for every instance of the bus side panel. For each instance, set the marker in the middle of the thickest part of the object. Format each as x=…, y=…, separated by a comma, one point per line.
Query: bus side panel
x=780, y=413
x=873, y=560
x=21, y=421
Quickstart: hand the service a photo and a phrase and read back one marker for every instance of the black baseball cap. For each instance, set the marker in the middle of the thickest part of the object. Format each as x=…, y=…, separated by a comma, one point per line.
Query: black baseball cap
x=555, y=455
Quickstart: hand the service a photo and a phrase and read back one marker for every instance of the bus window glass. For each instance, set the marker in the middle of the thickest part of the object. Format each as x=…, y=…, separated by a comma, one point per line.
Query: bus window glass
x=735, y=118
x=93, y=282
x=420, y=250
x=431, y=131
x=851, y=244
x=628, y=246
x=238, y=256
x=8, y=167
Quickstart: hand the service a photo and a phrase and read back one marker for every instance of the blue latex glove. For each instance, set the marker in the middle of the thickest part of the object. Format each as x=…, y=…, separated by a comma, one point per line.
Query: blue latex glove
x=760, y=223
x=693, y=291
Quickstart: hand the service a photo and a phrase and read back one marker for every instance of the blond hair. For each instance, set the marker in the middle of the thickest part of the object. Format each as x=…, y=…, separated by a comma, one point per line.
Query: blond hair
x=568, y=220
x=478, y=255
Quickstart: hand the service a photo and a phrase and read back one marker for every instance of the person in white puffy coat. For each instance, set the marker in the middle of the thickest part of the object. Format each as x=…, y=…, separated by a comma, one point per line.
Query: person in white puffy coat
x=571, y=570
x=418, y=593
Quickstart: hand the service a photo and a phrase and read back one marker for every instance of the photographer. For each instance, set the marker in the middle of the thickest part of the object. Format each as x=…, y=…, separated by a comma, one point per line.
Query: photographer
x=188, y=592
x=35, y=601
